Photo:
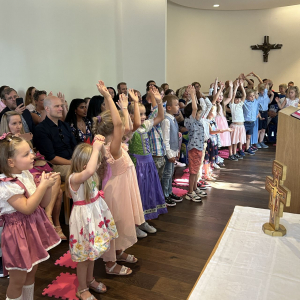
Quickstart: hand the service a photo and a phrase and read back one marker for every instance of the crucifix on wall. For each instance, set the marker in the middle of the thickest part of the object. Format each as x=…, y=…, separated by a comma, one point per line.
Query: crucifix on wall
x=266, y=47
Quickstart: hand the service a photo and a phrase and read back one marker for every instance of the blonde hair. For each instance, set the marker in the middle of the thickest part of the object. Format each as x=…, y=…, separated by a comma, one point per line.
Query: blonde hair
x=261, y=87
x=295, y=88
x=4, y=127
x=169, y=99
x=131, y=107
x=80, y=159
x=181, y=91
x=8, y=150
x=284, y=85
x=250, y=91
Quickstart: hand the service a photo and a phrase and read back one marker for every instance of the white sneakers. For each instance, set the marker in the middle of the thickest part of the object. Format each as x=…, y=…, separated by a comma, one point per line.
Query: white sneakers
x=179, y=164
x=193, y=196
x=140, y=230
x=200, y=193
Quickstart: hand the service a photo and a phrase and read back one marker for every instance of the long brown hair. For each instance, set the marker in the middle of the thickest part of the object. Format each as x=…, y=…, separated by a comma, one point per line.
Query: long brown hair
x=80, y=159
x=28, y=96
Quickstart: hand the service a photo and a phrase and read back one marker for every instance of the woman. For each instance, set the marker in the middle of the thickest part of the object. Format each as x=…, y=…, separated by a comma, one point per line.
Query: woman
x=29, y=101
x=77, y=119
x=96, y=107
x=39, y=114
x=11, y=122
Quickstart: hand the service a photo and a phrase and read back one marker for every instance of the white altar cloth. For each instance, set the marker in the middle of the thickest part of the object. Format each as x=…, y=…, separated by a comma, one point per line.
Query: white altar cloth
x=250, y=265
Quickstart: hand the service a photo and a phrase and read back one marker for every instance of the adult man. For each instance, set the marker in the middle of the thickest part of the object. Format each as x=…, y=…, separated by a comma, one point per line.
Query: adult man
x=9, y=96
x=122, y=89
x=53, y=138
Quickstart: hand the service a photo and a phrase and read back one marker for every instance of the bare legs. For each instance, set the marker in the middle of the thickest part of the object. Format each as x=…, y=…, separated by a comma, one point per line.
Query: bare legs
x=17, y=279
x=248, y=138
x=193, y=183
x=261, y=135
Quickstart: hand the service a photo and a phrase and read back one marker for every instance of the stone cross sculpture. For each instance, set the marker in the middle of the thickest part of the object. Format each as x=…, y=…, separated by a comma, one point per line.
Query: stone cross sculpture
x=279, y=196
x=266, y=47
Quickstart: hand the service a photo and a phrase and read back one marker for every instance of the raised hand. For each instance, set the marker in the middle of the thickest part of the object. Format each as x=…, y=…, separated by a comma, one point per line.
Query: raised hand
x=123, y=101
x=103, y=89
x=191, y=90
x=98, y=143
x=50, y=94
x=230, y=83
x=133, y=95
x=48, y=179
x=222, y=86
x=61, y=96
x=156, y=94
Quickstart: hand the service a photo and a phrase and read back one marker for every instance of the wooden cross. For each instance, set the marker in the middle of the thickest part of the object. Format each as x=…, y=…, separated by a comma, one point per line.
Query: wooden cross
x=266, y=47
x=279, y=196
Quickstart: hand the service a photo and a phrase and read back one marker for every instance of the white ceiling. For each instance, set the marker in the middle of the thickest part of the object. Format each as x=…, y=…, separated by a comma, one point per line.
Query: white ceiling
x=235, y=4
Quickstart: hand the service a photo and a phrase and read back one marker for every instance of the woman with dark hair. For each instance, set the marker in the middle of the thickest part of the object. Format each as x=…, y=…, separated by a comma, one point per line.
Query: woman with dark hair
x=29, y=100
x=96, y=107
x=113, y=93
x=77, y=118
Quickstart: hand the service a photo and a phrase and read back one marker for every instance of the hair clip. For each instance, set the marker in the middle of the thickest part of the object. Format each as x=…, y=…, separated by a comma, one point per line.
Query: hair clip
x=99, y=118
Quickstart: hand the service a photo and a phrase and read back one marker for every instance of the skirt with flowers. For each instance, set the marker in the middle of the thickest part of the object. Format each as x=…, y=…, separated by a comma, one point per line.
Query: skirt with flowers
x=92, y=227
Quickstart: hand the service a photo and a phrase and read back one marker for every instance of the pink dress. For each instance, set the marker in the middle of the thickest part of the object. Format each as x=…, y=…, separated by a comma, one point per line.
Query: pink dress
x=123, y=198
x=222, y=124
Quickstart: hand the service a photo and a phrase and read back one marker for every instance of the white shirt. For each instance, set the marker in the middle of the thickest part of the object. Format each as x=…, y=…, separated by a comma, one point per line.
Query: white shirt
x=293, y=103
x=165, y=126
x=10, y=188
x=237, y=112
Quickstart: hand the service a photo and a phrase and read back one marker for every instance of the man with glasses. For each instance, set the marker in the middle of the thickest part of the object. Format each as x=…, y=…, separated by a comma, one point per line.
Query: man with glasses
x=9, y=97
x=53, y=138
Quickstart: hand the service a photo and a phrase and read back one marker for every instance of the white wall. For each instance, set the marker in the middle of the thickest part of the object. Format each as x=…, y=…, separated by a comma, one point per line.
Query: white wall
x=67, y=45
x=203, y=44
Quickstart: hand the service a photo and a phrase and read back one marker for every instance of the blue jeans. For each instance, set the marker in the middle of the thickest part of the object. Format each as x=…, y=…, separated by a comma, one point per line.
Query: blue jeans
x=167, y=177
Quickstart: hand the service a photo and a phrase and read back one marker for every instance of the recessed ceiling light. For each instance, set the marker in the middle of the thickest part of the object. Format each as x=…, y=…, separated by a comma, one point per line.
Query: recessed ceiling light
x=216, y=5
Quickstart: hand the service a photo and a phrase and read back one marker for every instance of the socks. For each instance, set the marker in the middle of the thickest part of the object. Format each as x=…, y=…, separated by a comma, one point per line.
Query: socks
x=19, y=298
x=28, y=291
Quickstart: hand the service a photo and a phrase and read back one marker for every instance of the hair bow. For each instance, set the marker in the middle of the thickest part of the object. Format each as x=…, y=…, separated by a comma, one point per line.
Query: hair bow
x=4, y=135
x=99, y=118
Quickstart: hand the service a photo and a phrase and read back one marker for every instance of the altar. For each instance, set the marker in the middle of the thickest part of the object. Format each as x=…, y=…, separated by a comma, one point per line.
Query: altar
x=249, y=265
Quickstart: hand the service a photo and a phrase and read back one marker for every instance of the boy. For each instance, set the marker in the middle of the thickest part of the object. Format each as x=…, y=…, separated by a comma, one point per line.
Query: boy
x=264, y=101
x=250, y=109
x=171, y=140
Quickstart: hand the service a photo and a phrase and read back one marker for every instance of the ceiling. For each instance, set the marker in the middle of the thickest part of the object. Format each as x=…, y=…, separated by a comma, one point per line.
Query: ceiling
x=235, y=4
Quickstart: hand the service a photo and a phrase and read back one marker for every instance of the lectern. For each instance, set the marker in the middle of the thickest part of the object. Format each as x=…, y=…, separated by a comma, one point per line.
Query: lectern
x=288, y=153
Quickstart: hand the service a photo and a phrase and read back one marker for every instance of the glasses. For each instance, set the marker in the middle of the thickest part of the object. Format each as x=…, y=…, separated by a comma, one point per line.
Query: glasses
x=60, y=134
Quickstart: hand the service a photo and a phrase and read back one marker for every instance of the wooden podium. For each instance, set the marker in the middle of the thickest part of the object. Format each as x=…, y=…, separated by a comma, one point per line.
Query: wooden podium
x=288, y=153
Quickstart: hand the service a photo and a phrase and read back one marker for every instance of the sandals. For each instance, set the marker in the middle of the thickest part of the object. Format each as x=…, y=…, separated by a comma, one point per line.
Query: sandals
x=124, y=270
x=101, y=288
x=129, y=259
x=78, y=295
x=60, y=233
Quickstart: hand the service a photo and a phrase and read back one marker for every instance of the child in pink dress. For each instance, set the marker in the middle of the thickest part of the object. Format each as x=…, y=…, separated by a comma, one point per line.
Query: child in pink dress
x=121, y=192
x=92, y=226
x=27, y=234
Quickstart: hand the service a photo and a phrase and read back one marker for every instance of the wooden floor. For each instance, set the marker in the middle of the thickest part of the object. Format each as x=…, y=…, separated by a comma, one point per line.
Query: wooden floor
x=171, y=260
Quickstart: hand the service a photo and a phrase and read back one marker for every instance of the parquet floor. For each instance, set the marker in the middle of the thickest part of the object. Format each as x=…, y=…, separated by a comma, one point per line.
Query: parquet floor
x=171, y=260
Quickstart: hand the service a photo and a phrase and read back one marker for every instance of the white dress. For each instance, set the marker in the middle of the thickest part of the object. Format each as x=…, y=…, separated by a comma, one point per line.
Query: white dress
x=92, y=226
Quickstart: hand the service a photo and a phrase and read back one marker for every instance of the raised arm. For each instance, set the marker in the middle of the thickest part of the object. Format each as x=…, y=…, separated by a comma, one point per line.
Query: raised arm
x=191, y=90
x=280, y=105
x=215, y=86
x=123, y=105
x=78, y=178
x=115, y=146
x=227, y=100
x=160, y=112
x=256, y=76
x=236, y=85
x=243, y=91
x=137, y=117
x=217, y=95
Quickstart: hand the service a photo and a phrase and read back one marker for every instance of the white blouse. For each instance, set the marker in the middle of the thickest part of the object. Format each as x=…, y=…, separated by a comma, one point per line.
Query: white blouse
x=10, y=188
x=293, y=103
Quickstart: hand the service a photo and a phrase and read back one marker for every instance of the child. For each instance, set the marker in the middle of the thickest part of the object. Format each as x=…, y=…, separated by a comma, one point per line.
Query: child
x=293, y=100
x=91, y=224
x=122, y=194
x=250, y=110
x=220, y=119
x=264, y=101
x=139, y=150
x=238, y=135
x=211, y=152
x=27, y=234
x=171, y=140
x=195, y=145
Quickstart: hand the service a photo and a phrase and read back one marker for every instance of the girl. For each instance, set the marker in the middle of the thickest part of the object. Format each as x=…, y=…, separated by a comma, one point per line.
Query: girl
x=238, y=135
x=11, y=122
x=293, y=100
x=121, y=192
x=139, y=149
x=29, y=100
x=27, y=233
x=91, y=224
x=221, y=121
x=78, y=121
x=195, y=145
x=211, y=152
